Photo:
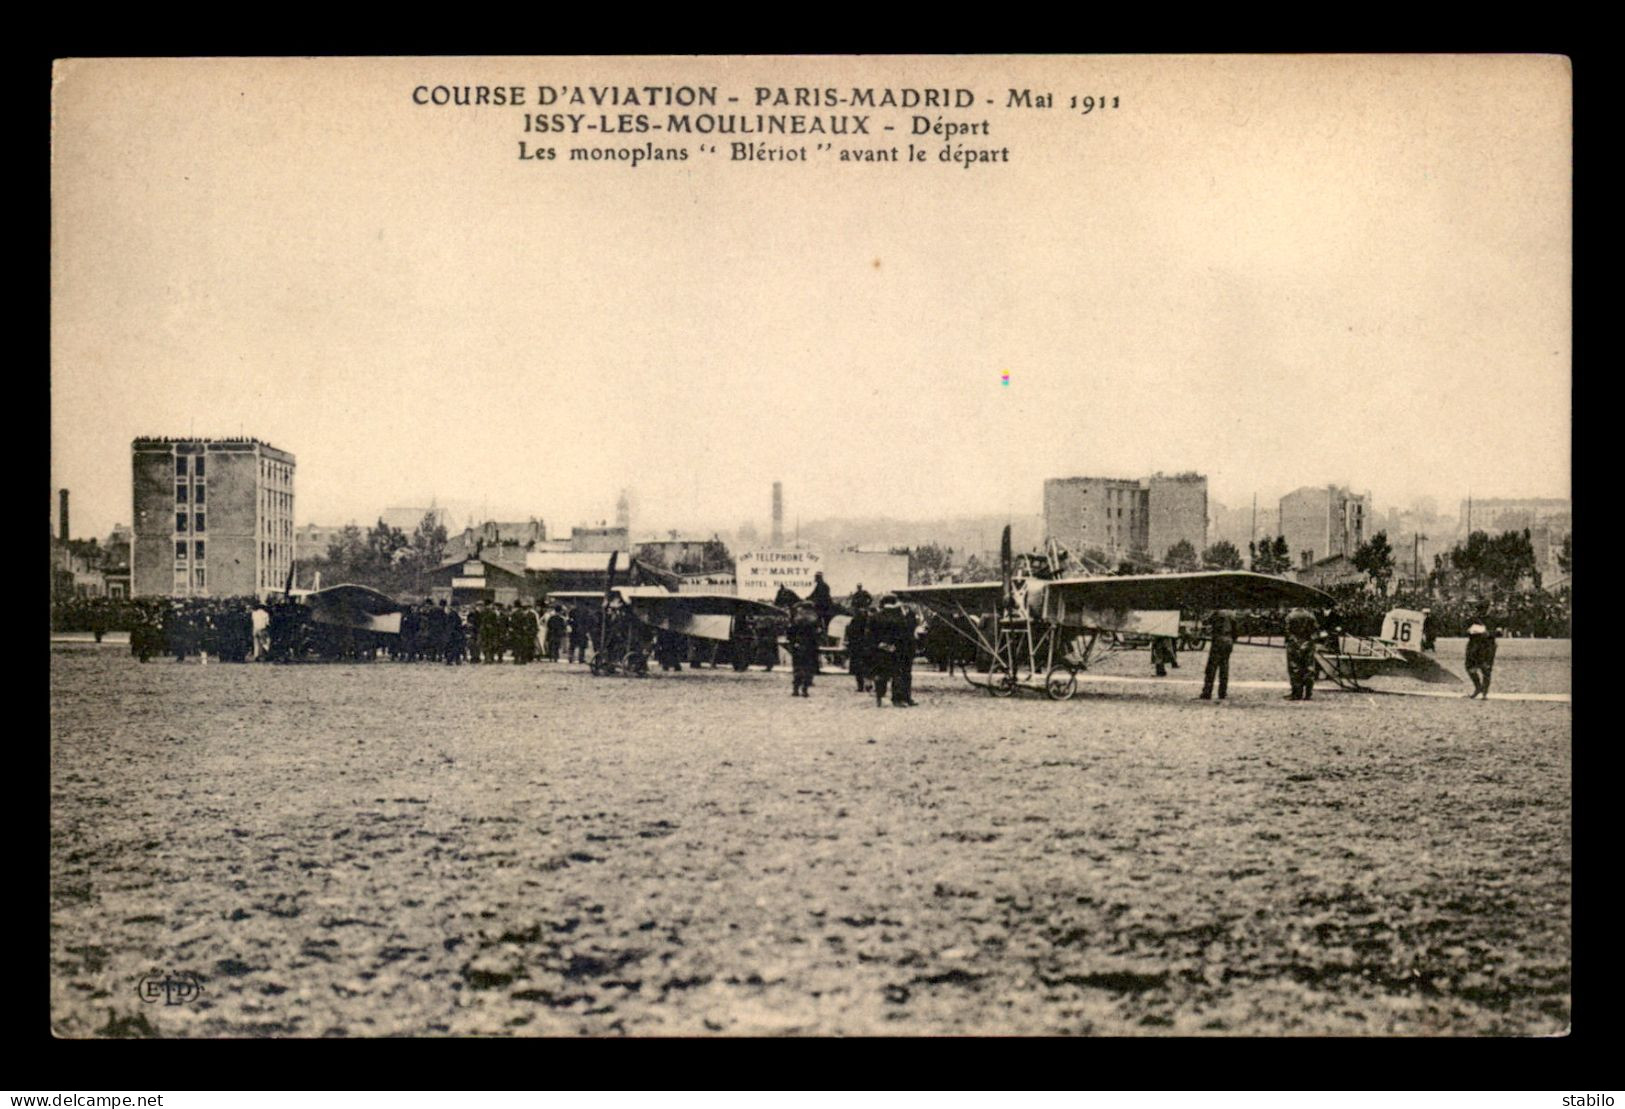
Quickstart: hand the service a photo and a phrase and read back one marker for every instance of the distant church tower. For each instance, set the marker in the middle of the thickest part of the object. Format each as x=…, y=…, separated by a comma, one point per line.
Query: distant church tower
x=623, y=512
x=778, y=514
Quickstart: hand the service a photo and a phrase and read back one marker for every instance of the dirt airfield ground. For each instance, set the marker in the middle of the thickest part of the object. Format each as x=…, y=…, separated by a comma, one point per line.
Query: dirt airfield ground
x=388, y=849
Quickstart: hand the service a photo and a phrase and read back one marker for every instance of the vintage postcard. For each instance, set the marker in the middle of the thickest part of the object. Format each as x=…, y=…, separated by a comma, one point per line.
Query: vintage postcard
x=811, y=546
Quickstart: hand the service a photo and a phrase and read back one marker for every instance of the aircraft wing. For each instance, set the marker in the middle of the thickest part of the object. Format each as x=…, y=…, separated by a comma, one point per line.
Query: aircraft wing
x=1071, y=600
x=705, y=615
x=979, y=598
x=355, y=606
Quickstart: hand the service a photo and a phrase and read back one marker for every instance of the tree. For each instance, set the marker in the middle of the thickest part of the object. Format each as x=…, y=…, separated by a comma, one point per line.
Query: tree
x=652, y=554
x=347, y=548
x=428, y=543
x=714, y=556
x=1222, y=556
x=929, y=563
x=1565, y=555
x=1181, y=556
x=382, y=543
x=1498, y=562
x=976, y=570
x=1270, y=556
x=1375, y=559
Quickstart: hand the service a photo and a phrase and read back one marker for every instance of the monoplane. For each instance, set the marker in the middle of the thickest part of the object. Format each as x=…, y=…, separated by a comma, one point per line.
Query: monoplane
x=1039, y=633
x=747, y=626
x=356, y=607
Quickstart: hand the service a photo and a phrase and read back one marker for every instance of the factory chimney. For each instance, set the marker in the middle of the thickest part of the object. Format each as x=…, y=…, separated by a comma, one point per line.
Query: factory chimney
x=62, y=518
x=623, y=511
x=778, y=514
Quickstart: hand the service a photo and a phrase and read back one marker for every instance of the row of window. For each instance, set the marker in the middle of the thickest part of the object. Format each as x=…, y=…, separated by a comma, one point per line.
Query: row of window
x=275, y=472
x=197, y=521
x=197, y=465
x=181, y=488
x=180, y=550
x=198, y=578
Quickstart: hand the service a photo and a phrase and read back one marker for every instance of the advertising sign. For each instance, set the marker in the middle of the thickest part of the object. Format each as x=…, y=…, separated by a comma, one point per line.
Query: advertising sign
x=761, y=573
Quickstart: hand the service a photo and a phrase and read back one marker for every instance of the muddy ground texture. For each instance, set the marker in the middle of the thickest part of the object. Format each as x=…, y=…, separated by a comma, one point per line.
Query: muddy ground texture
x=391, y=849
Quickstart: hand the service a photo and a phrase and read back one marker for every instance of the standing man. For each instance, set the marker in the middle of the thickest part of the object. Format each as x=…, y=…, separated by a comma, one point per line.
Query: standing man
x=452, y=637
x=892, y=639
x=804, y=634
x=476, y=619
x=262, y=631
x=1221, y=639
x=522, y=630
x=904, y=680
x=556, y=629
x=490, y=631
x=1300, y=654
x=433, y=630
x=859, y=645
x=578, y=634
x=1480, y=654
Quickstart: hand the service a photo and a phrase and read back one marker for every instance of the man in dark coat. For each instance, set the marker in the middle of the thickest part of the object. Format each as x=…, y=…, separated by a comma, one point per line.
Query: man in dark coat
x=805, y=632
x=576, y=625
x=1300, y=654
x=432, y=629
x=453, y=636
x=859, y=648
x=476, y=617
x=1480, y=654
x=522, y=631
x=1221, y=639
x=861, y=601
x=556, y=630
x=493, y=629
x=892, y=634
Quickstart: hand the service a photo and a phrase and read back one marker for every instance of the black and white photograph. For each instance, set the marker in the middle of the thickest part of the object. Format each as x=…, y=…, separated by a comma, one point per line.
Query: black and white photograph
x=811, y=546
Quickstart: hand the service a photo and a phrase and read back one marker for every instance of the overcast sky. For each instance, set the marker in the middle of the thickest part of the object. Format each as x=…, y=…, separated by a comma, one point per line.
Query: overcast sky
x=1277, y=272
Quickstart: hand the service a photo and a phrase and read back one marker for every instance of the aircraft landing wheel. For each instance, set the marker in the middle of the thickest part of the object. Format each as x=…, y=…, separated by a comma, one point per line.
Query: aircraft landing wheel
x=1061, y=683
x=1001, y=682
